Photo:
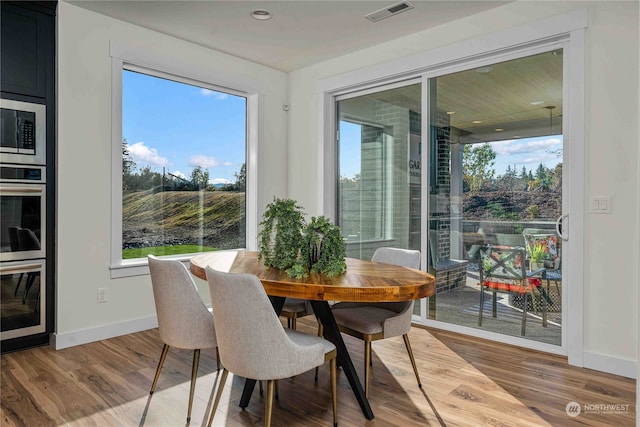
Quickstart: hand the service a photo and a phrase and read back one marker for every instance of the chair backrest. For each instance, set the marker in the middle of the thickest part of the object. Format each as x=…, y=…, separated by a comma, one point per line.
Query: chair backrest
x=251, y=340
x=184, y=321
x=27, y=240
x=504, y=263
x=404, y=257
x=13, y=238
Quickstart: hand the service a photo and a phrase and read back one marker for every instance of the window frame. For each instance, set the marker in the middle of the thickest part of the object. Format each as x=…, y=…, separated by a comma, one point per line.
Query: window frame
x=126, y=57
x=385, y=189
x=569, y=28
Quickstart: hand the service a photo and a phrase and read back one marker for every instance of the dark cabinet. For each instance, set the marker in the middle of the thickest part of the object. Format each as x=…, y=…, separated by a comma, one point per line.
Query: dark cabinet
x=27, y=84
x=27, y=45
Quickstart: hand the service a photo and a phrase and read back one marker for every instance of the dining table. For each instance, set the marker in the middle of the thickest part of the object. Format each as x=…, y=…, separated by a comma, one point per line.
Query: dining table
x=363, y=281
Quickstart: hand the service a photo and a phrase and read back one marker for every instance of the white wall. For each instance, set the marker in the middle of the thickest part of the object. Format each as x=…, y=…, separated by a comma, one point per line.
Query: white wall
x=611, y=241
x=83, y=168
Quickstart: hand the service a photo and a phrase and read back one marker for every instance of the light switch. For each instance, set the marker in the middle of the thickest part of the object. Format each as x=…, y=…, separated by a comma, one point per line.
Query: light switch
x=600, y=204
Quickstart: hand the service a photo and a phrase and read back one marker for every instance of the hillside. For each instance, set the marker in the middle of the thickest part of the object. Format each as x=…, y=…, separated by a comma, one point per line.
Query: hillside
x=489, y=205
x=173, y=218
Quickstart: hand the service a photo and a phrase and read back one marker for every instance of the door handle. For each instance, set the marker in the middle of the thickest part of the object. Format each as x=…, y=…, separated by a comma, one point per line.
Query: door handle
x=559, y=227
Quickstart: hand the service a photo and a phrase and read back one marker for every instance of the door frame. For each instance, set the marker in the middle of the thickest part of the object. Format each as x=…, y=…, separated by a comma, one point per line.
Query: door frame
x=570, y=29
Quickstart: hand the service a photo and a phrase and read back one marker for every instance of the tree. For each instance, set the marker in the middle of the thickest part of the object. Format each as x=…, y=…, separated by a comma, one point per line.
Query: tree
x=477, y=165
x=241, y=178
x=128, y=166
x=200, y=177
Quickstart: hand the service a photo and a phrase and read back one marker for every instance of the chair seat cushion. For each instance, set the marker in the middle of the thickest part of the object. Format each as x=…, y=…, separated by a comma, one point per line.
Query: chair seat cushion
x=517, y=287
x=303, y=339
x=366, y=320
x=294, y=305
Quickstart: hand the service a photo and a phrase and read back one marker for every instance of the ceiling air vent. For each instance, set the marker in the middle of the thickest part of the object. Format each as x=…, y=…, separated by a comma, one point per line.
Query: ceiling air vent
x=388, y=11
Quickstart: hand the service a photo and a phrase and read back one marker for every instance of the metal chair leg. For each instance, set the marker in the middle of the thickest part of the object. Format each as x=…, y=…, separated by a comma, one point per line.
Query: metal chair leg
x=15, y=292
x=194, y=375
x=413, y=361
x=163, y=356
x=480, y=309
x=524, y=313
x=367, y=361
x=269, y=404
x=320, y=333
x=223, y=379
x=334, y=391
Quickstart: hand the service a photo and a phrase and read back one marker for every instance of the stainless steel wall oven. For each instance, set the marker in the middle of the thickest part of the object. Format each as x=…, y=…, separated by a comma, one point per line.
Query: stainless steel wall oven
x=23, y=223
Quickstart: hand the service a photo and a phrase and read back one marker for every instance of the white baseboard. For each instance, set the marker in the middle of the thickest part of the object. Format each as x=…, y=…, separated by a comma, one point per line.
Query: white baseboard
x=85, y=336
x=610, y=364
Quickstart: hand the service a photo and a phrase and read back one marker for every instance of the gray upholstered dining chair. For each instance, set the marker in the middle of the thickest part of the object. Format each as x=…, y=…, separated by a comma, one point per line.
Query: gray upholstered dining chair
x=375, y=321
x=294, y=308
x=184, y=321
x=252, y=342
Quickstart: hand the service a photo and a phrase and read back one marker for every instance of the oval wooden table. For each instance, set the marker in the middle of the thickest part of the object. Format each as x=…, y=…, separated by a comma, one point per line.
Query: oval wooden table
x=364, y=281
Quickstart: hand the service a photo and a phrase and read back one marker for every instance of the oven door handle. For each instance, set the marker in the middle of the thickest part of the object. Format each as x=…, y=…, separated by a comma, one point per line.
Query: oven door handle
x=12, y=269
x=14, y=190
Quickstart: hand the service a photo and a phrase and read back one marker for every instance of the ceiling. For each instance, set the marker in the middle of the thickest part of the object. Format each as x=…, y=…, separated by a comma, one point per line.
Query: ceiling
x=304, y=32
x=299, y=34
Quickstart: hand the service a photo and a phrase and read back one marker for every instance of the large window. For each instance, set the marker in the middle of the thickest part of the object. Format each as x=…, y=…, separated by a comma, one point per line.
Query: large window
x=183, y=160
x=183, y=167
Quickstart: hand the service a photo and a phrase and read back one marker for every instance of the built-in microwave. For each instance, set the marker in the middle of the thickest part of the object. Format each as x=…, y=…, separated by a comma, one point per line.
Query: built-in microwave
x=22, y=132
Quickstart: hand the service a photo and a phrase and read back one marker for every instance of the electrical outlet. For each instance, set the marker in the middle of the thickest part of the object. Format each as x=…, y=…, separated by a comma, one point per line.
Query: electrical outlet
x=102, y=294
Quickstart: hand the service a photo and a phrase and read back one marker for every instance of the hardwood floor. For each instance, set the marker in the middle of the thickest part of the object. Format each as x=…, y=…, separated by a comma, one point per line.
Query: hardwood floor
x=466, y=382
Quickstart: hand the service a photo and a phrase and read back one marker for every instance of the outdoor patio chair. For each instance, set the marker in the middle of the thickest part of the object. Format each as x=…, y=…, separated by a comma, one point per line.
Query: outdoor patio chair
x=552, y=259
x=502, y=269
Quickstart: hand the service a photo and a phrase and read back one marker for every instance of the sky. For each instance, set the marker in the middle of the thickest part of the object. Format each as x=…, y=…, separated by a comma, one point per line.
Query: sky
x=177, y=127
x=528, y=152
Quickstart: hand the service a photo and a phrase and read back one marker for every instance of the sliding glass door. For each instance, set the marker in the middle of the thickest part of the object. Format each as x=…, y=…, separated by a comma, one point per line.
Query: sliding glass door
x=493, y=146
x=379, y=151
x=495, y=188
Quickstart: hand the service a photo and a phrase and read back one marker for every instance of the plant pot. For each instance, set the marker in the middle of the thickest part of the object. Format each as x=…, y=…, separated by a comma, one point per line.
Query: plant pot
x=533, y=265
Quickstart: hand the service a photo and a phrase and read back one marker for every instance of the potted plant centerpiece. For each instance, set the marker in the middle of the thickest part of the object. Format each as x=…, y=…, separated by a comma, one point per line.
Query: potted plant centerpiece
x=287, y=243
x=280, y=237
x=536, y=252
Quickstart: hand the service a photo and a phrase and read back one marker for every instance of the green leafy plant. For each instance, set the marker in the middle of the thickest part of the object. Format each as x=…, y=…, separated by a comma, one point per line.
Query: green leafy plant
x=536, y=251
x=287, y=243
x=280, y=236
x=323, y=249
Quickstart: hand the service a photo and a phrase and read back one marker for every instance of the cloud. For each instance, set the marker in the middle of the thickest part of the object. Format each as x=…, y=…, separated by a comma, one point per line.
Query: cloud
x=207, y=161
x=515, y=146
x=149, y=156
x=220, y=181
x=180, y=174
x=216, y=95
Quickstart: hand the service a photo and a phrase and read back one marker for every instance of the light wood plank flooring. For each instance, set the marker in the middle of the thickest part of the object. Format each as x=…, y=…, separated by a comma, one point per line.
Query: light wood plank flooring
x=466, y=382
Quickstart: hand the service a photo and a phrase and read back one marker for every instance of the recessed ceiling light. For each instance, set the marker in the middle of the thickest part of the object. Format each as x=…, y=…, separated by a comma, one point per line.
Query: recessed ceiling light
x=261, y=14
x=517, y=136
x=537, y=102
x=477, y=122
x=484, y=70
x=451, y=112
x=499, y=130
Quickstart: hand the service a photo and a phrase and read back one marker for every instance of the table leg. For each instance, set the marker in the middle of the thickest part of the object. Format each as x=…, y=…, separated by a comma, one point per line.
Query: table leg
x=249, y=384
x=332, y=333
